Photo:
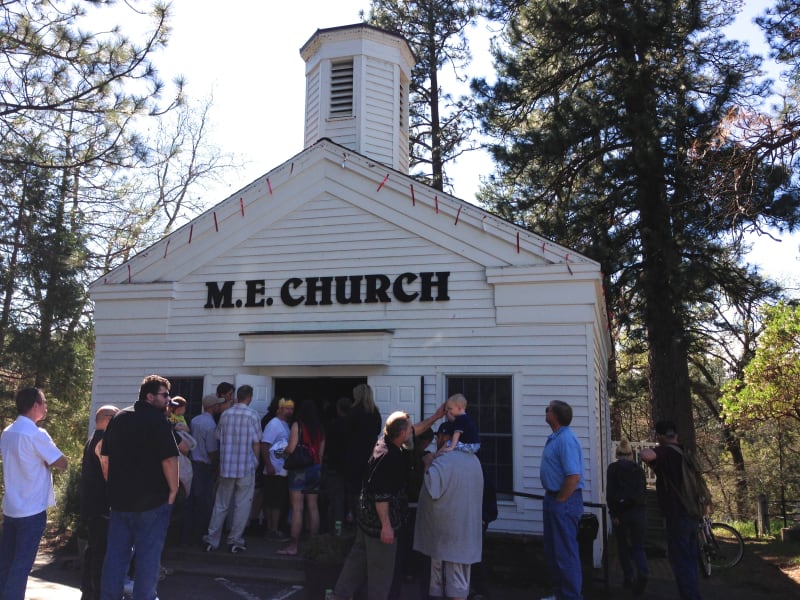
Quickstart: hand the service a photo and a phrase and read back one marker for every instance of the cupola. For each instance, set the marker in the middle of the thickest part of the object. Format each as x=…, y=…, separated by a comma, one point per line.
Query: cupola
x=357, y=80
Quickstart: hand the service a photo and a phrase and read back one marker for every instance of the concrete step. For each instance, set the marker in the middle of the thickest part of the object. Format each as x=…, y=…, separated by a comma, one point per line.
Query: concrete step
x=258, y=562
x=228, y=570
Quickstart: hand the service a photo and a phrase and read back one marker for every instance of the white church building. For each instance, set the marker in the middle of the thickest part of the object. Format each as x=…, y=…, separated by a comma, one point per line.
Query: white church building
x=336, y=268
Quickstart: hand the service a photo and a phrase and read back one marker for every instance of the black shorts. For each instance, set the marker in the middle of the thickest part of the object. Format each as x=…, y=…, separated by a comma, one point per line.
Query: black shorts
x=276, y=491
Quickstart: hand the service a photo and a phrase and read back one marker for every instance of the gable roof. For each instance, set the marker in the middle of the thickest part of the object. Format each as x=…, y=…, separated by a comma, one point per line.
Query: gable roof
x=329, y=168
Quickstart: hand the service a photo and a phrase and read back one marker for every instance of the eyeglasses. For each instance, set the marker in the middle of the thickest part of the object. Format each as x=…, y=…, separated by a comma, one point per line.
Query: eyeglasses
x=546, y=409
x=165, y=394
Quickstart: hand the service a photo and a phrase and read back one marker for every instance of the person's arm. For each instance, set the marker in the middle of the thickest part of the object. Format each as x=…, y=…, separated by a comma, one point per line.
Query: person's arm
x=427, y=459
x=60, y=463
x=425, y=423
x=452, y=444
x=265, y=446
x=568, y=486
x=183, y=447
x=321, y=450
x=170, y=468
x=257, y=449
x=293, y=438
x=648, y=455
x=387, y=533
x=102, y=458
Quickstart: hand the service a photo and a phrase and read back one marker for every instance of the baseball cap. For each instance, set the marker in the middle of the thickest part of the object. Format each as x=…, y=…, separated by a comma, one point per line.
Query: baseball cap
x=666, y=427
x=210, y=400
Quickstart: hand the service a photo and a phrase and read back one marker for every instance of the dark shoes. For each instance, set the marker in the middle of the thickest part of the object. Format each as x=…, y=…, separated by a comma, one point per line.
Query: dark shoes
x=277, y=536
x=639, y=585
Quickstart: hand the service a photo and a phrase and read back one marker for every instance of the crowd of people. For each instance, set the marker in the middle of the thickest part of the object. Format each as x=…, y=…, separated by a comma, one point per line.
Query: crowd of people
x=230, y=470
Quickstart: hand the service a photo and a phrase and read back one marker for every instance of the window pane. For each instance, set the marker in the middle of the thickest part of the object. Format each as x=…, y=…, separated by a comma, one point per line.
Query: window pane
x=489, y=404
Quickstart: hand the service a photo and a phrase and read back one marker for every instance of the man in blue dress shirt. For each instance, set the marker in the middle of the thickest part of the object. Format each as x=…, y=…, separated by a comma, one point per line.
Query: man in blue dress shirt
x=561, y=474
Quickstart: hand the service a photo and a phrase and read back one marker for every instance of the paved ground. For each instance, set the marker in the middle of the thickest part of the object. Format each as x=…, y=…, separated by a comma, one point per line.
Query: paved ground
x=57, y=578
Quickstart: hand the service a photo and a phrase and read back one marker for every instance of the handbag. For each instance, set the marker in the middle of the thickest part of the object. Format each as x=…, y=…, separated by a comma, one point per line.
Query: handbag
x=185, y=471
x=302, y=457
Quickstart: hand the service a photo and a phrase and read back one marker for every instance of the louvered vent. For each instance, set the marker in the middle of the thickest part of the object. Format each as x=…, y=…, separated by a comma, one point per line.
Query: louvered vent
x=342, y=89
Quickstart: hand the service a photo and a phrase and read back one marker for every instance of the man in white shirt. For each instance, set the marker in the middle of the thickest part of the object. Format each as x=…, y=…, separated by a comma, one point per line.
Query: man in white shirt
x=276, y=489
x=28, y=455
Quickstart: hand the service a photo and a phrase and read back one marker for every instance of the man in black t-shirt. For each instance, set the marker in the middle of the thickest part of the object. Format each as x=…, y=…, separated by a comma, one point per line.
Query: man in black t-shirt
x=681, y=527
x=142, y=485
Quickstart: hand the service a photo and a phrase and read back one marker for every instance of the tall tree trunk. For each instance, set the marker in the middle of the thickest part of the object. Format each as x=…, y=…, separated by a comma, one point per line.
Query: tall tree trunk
x=668, y=357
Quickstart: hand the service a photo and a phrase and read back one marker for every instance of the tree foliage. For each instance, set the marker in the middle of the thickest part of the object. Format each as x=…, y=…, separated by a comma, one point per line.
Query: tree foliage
x=441, y=124
x=769, y=388
x=83, y=181
x=608, y=116
x=60, y=80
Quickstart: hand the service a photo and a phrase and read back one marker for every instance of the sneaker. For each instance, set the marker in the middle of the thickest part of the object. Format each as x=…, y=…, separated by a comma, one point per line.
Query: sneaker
x=277, y=536
x=238, y=548
x=209, y=548
x=549, y=598
x=127, y=590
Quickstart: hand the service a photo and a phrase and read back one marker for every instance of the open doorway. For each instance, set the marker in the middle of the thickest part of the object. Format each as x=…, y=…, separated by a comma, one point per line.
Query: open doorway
x=324, y=391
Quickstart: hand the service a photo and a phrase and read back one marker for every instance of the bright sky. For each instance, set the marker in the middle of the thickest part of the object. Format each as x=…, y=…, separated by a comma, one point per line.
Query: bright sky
x=247, y=55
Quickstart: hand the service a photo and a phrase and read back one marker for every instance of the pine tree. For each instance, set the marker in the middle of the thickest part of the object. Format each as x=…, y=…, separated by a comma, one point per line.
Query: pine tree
x=441, y=125
x=609, y=116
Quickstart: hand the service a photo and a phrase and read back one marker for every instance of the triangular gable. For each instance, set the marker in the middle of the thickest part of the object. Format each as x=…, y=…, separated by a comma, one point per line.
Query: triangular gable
x=330, y=169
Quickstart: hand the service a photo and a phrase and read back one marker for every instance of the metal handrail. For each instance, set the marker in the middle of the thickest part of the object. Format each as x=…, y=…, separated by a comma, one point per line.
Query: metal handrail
x=604, y=520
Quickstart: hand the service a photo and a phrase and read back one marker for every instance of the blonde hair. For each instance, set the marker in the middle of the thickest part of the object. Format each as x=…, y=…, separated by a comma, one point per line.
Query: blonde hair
x=363, y=395
x=624, y=448
x=459, y=400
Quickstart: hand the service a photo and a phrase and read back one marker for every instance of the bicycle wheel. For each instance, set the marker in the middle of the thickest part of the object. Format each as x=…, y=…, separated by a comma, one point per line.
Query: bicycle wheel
x=726, y=547
x=703, y=557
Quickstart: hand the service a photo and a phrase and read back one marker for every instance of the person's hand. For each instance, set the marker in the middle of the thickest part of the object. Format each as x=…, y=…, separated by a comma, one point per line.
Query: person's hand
x=387, y=535
x=614, y=521
x=439, y=412
x=427, y=459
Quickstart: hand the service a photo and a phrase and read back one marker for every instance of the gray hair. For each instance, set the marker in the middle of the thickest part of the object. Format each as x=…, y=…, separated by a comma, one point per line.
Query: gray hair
x=562, y=411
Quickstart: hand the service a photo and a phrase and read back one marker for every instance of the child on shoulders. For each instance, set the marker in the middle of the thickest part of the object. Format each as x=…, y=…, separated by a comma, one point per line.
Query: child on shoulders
x=461, y=426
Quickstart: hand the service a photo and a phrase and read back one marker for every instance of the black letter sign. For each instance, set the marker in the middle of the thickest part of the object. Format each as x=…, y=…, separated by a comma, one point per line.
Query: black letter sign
x=286, y=297
x=219, y=298
x=255, y=287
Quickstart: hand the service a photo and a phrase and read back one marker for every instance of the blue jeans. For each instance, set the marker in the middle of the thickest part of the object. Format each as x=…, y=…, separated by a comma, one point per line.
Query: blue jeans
x=682, y=553
x=561, y=544
x=144, y=530
x=201, y=501
x=21, y=537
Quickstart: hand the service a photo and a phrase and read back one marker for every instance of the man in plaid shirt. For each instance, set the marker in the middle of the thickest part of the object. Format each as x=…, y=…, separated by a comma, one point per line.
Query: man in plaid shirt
x=239, y=434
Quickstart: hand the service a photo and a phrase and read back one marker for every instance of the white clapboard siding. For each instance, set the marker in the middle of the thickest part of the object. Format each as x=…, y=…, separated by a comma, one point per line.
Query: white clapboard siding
x=513, y=310
x=313, y=108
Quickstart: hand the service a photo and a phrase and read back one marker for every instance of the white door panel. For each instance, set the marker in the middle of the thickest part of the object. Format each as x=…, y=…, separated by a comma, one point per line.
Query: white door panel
x=397, y=392
x=262, y=391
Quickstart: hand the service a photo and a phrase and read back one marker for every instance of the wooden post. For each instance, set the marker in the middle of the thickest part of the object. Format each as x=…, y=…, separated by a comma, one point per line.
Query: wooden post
x=763, y=515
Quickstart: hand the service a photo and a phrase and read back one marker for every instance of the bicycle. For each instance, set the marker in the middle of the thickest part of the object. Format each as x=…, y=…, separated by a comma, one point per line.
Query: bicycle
x=719, y=546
